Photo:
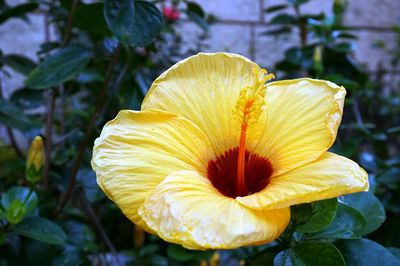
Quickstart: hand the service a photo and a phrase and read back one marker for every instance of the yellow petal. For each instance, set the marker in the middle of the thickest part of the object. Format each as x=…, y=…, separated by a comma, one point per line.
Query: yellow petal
x=186, y=209
x=137, y=150
x=328, y=177
x=204, y=89
x=299, y=123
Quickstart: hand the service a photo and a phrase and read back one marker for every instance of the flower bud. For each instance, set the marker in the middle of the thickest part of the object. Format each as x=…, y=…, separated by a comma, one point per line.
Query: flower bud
x=35, y=162
x=171, y=14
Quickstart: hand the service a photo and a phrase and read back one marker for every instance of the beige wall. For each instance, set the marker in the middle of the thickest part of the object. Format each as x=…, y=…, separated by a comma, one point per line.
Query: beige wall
x=242, y=23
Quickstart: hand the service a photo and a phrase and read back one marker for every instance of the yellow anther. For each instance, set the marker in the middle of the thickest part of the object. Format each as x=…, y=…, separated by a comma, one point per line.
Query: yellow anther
x=252, y=98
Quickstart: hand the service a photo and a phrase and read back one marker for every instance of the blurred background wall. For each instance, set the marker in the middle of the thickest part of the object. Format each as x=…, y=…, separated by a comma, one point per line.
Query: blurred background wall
x=239, y=28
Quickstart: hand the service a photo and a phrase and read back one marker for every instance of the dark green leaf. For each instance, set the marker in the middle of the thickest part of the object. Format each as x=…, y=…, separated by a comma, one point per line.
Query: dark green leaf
x=265, y=258
x=298, y=2
x=90, y=18
x=275, y=8
x=310, y=254
x=195, y=8
x=278, y=31
x=27, y=98
x=134, y=23
x=59, y=67
x=12, y=116
x=348, y=224
x=24, y=195
x=179, y=253
x=301, y=213
x=323, y=213
x=343, y=47
x=370, y=207
x=19, y=63
x=283, y=19
x=17, y=11
x=89, y=75
x=365, y=252
x=41, y=229
x=200, y=21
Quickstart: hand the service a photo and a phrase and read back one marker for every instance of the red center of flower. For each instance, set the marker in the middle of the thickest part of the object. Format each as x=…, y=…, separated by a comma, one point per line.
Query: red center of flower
x=223, y=173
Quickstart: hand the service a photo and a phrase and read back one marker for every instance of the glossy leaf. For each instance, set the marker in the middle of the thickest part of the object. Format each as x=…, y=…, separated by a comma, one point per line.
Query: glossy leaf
x=195, y=8
x=179, y=253
x=42, y=230
x=27, y=98
x=365, y=252
x=59, y=67
x=17, y=11
x=96, y=27
x=283, y=19
x=323, y=213
x=134, y=23
x=19, y=63
x=310, y=254
x=200, y=21
x=22, y=194
x=275, y=8
x=15, y=212
x=348, y=224
x=12, y=116
x=370, y=207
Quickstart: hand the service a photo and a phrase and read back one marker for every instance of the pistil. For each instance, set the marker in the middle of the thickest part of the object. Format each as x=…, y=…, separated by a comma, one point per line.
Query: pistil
x=248, y=108
x=241, y=185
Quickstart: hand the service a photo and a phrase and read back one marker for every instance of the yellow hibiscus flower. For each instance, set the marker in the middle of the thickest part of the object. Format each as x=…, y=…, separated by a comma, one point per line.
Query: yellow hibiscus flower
x=216, y=156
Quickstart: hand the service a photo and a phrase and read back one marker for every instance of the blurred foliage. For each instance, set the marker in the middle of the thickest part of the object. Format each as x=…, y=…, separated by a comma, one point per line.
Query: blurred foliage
x=107, y=55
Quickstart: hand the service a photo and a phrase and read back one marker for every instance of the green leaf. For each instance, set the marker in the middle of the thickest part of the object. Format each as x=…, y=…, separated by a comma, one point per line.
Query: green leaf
x=27, y=98
x=19, y=63
x=23, y=194
x=97, y=28
x=15, y=212
x=179, y=253
x=369, y=206
x=275, y=8
x=364, y=252
x=278, y=31
x=310, y=254
x=89, y=75
x=348, y=224
x=344, y=47
x=134, y=23
x=2, y=214
x=323, y=213
x=264, y=258
x=301, y=213
x=17, y=11
x=42, y=230
x=12, y=116
x=283, y=19
x=59, y=67
x=195, y=8
x=200, y=21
